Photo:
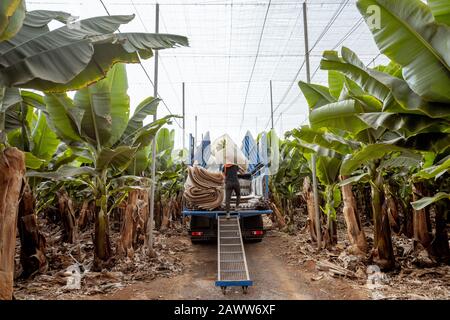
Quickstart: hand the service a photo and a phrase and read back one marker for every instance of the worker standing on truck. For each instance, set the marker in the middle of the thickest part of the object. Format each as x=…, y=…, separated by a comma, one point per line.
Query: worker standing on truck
x=231, y=184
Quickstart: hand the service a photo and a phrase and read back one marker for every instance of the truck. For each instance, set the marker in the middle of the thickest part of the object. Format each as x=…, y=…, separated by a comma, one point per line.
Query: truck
x=245, y=224
x=254, y=188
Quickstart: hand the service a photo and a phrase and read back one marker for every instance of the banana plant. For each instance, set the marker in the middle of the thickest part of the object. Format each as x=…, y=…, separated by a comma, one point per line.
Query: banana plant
x=420, y=44
x=70, y=57
x=372, y=110
x=97, y=120
x=286, y=184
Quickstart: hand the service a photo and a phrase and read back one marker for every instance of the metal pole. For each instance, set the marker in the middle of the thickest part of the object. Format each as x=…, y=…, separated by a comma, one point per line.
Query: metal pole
x=313, y=157
x=271, y=103
x=195, y=138
x=152, y=196
x=184, y=118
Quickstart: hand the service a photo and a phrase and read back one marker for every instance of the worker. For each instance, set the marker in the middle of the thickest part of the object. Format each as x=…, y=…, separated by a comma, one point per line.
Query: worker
x=231, y=184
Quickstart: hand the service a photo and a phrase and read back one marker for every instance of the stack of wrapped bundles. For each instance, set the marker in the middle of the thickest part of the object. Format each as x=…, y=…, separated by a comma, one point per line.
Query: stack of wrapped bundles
x=203, y=189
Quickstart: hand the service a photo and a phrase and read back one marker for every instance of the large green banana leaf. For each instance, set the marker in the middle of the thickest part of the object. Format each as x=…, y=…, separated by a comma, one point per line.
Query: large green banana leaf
x=435, y=171
x=410, y=36
x=368, y=154
x=144, y=136
x=61, y=120
x=145, y=108
x=72, y=58
x=436, y=142
x=406, y=124
x=340, y=115
x=426, y=201
x=165, y=141
x=63, y=173
x=353, y=68
x=394, y=92
x=8, y=98
x=441, y=10
x=35, y=23
x=316, y=95
x=12, y=14
x=305, y=148
x=118, y=159
x=44, y=139
x=327, y=170
x=140, y=162
x=335, y=83
x=105, y=107
x=33, y=162
x=326, y=140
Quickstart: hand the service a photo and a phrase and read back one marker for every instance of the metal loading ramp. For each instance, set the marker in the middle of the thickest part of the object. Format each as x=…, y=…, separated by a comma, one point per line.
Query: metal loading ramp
x=231, y=260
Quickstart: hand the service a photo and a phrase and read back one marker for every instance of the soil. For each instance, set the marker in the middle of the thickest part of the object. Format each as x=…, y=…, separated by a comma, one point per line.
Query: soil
x=283, y=266
x=273, y=278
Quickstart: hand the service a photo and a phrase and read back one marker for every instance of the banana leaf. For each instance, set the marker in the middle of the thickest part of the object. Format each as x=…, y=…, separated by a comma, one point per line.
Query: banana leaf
x=440, y=10
x=368, y=154
x=12, y=15
x=72, y=58
x=426, y=201
x=410, y=36
x=45, y=141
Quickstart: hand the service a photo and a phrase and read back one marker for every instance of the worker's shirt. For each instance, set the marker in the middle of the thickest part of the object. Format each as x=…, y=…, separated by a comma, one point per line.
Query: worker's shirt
x=231, y=174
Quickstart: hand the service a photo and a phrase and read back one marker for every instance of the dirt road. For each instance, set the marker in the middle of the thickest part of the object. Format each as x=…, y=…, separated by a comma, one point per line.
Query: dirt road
x=273, y=278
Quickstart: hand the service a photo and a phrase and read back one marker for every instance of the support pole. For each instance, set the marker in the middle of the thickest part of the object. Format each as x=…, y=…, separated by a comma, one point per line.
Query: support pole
x=195, y=138
x=184, y=118
x=271, y=103
x=152, y=196
x=313, y=157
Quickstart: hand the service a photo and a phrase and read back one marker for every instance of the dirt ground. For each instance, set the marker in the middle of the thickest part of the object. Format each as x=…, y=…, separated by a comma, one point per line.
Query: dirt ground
x=273, y=278
x=282, y=267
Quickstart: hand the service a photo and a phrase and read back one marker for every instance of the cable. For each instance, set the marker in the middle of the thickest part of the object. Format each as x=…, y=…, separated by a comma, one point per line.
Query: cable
x=254, y=63
x=342, y=40
x=229, y=59
x=346, y=36
x=143, y=68
x=336, y=14
x=298, y=95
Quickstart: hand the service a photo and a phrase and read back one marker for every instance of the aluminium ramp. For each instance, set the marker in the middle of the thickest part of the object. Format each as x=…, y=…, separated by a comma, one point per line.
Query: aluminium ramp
x=231, y=260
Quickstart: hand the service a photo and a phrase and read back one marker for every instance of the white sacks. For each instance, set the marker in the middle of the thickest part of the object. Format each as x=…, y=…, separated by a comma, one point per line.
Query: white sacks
x=224, y=151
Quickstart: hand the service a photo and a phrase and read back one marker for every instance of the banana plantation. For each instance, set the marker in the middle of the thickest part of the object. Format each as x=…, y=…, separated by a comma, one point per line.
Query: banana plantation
x=104, y=196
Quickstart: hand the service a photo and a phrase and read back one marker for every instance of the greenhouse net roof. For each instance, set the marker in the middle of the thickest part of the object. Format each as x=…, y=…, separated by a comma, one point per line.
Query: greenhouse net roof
x=236, y=48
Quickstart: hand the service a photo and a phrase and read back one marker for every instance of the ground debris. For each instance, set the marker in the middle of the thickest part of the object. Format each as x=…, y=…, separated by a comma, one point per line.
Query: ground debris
x=417, y=276
x=69, y=275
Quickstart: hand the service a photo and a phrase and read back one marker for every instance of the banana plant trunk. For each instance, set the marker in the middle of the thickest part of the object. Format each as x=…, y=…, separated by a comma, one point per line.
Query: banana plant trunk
x=130, y=219
x=101, y=239
x=165, y=212
x=67, y=213
x=394, y=219
x=32, y=241
x=102, y=244
x=383, y=252
x=12, y=171
x=421, y=218
x=440, y=244
x=355, y=231
x=309, y=198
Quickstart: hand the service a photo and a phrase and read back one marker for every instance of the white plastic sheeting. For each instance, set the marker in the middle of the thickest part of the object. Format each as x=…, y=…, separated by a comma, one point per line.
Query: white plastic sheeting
x=225, y=151
x=236, y=48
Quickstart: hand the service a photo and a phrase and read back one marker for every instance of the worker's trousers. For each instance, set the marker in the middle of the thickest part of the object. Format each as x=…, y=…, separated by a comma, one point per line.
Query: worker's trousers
x=229, y=188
